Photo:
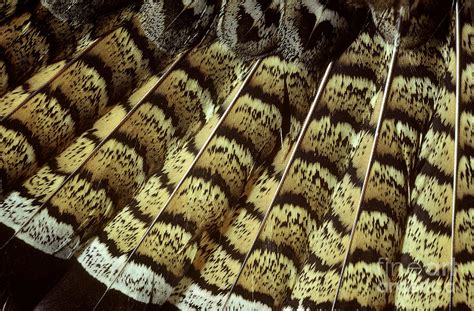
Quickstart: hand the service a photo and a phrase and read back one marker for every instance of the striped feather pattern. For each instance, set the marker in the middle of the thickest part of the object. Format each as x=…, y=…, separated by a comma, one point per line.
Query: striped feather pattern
x=44, y=123
x=464, y=214
x=224, y=247
x=354, y=116
x=236, y=155
x=35, y=39
x=380, y=224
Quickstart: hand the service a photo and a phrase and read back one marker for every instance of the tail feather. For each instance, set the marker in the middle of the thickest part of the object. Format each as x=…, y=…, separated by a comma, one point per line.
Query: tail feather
x=310, y=31
x=22, y=208
x=423, y=275
x=177, y=25
x=81, y=11
x=72, y=101
x=270, y=266
x=169, y=261
x=34, y=40
x=249, y=27
x=134, y=178
x=464, y=214
x=347, y=149
x=110, y=248
x=14, y=98
x=224, y=248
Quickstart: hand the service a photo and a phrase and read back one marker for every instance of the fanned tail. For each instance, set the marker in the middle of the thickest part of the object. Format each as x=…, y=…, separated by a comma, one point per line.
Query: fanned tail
x=192, y=122
x=186, y=154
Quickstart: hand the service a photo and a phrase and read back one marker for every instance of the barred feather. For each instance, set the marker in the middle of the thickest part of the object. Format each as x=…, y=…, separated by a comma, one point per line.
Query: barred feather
x=236, y=155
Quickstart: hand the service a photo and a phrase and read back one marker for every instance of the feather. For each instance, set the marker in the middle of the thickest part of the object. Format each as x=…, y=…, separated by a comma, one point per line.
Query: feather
x=236, y=155
x=222, y=247
x=268, y=269
x=14, y=98
x=347, y=268
x=463, y=252
x=98, y=71
x=10, y=7
x=68, y=105
x=374, y=255
x=271, y=267
x=250, y=27
x=312, y=30
x=423, y=278
x=35, y=39
x=420, y=19
x=192, y=124
x=31, y=202
x=81, y=11
x=354, y=82
x=176, y=25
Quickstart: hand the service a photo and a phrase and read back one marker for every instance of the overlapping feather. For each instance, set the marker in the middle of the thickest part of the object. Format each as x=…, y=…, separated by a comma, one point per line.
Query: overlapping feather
x=243, y=155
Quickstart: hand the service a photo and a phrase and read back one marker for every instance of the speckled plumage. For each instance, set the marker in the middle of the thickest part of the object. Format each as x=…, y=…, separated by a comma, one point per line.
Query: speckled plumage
x=236, y=155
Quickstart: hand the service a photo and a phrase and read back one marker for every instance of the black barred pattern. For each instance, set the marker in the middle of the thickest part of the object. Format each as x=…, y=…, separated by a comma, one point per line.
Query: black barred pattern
x=120, y=165
x=349, y=114
x=223, y=248
x=69, y=104
x=382, y=215
x=137, y=180
x=463, y=296
x=35, y=39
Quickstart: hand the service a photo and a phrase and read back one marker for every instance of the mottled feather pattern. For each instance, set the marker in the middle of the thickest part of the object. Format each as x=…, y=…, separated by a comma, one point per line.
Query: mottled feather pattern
x=331, y=22
x=242, y=221
x=464, y=220
x=250, y=27
x=420, y=19
x=68, y=105
x=382, y=214
x=317, y=282
x=236, y=155
x=10, y=7
x=176, y=25
x=110, y=249
x=81, y=11
x=13, y=98
x=34, y=40
x=76, y=110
